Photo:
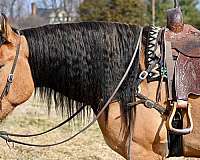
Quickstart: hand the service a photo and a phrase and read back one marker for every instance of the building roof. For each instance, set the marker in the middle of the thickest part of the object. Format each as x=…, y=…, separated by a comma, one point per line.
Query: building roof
x=44, y=12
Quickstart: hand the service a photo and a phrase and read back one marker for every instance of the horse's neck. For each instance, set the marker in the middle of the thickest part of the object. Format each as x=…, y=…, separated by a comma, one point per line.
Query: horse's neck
x=84, y=65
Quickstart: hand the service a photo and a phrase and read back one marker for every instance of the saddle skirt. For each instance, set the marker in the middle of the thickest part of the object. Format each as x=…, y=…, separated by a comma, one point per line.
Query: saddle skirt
x=186, y=50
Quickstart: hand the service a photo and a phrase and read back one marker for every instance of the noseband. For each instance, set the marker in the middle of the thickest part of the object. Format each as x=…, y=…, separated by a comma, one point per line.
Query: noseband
x=11, y=74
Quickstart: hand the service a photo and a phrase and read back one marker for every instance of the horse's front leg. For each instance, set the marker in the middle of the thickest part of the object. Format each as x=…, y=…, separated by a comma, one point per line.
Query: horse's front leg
x=149, y=133
x=191, y=147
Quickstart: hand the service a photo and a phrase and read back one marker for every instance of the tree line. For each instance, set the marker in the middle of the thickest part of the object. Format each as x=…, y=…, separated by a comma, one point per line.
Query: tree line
x=16, y=9
x=137, y=11
x=125, y=11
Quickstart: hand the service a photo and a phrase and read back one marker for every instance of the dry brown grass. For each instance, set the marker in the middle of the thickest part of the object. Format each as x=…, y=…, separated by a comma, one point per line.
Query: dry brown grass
x=31, y=118
x=27, y=119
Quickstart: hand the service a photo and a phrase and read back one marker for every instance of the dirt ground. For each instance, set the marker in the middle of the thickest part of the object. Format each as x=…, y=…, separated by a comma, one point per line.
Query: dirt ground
x=32, y=117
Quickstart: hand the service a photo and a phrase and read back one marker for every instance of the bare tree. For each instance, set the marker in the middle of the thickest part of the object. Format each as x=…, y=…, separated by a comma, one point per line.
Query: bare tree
x=68, y=5
x=13, y=8
x=4, y=4
x=50, y=3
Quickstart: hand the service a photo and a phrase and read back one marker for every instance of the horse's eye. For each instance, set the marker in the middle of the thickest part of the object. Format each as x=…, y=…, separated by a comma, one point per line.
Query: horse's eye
x=2, y=65
x=2, y=41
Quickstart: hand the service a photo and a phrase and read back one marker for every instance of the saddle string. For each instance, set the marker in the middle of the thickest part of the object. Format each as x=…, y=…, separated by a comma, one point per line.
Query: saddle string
x=8, y=139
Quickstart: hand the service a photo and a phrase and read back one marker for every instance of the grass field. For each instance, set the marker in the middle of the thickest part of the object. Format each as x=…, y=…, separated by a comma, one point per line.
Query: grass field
x=32, y=118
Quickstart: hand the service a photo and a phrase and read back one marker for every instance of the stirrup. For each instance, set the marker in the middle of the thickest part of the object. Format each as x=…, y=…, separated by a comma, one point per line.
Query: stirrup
x=183, y=131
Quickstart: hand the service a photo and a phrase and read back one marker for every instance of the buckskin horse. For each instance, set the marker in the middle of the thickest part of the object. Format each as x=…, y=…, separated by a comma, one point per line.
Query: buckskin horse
x=111, y=66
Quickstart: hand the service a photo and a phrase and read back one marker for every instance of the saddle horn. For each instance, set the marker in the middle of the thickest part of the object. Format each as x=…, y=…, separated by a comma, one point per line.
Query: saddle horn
x=175, y=18
x=176, y=3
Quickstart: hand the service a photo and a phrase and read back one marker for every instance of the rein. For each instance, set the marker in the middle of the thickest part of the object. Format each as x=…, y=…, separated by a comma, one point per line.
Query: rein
x=4, y=135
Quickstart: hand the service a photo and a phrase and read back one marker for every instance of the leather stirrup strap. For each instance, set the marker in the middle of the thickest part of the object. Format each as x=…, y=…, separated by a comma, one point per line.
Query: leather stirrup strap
x=170, y=69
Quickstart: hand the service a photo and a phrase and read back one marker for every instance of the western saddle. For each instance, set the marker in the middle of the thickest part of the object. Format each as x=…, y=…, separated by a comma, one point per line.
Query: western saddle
x=182, y=47
x=180, y=58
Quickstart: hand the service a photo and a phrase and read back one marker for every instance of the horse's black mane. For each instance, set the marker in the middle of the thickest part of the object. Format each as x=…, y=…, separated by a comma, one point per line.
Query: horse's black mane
x=82, y=61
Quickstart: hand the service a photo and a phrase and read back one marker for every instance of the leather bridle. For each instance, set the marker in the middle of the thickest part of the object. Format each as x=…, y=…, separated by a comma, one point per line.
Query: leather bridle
x=11, y=74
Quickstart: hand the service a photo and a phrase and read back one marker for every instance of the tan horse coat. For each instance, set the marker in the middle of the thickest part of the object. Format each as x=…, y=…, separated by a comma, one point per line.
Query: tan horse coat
x=149, y=130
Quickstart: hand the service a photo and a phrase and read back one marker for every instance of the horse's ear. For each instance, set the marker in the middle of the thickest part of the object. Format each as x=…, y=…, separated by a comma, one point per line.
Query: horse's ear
x=6, y=29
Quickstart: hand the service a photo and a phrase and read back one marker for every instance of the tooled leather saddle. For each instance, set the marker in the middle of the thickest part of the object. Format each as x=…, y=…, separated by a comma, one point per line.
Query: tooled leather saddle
x=185, y=47
x=179, y=65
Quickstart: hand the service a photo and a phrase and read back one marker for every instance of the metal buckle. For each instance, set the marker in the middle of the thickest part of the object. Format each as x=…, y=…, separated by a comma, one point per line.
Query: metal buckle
x=10, y=78
x=143, y=75
x=149, y=104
